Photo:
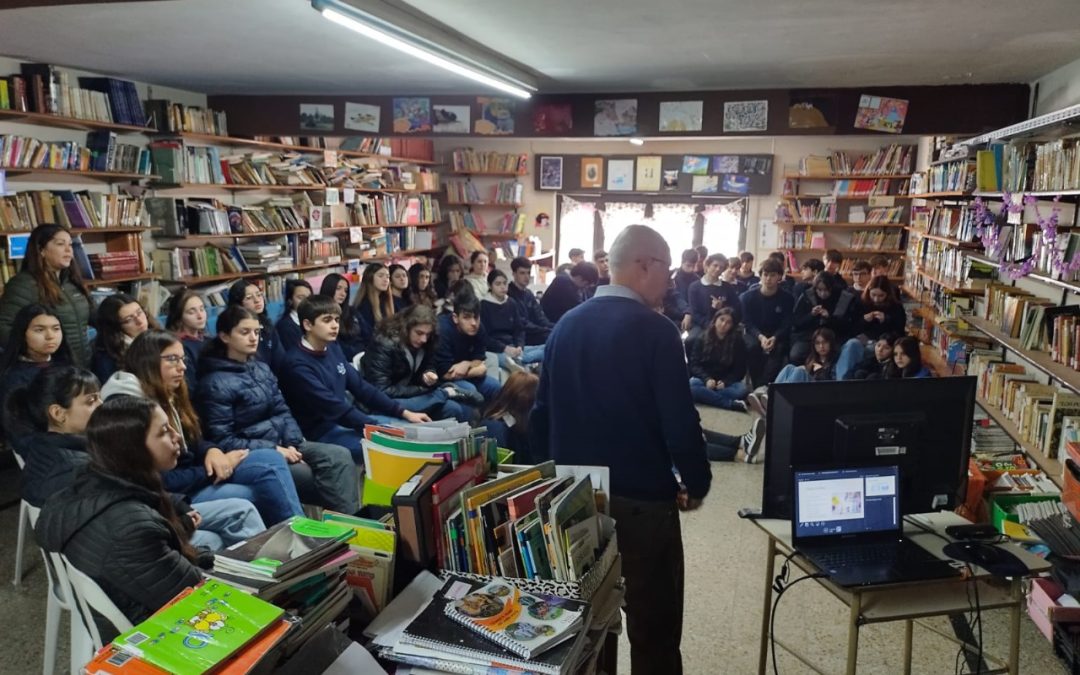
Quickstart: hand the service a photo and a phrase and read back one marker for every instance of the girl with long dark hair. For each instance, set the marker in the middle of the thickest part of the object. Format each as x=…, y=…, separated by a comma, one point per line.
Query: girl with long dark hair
x=374, y=301
x=399, y=286
x=421, y=289
x=820, y=365
x=350, y=334
x=246, y=294
x=907, y=359
x=186, y=318
x=120, y=319
x=506, y=418
x=717, y=362
x=449, y=272
x=36, y=343
x=288, y=327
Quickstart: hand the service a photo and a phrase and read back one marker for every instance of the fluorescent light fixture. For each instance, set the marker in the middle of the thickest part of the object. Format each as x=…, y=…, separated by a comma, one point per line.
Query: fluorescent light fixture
x=637, y=140
x=360, y=23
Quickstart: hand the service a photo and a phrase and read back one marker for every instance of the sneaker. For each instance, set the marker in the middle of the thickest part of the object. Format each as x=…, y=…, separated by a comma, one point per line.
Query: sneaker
x=467, y=396
x=751, y=440
x=513, y=366
x=756, y=403
x=738, y=406
x=765, y=402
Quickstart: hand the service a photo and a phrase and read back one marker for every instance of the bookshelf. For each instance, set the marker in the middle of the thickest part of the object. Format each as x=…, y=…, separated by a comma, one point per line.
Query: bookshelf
x=64, y=122
x=237, y=142
x=480, y=174
x=824, y=224
x=59, y=175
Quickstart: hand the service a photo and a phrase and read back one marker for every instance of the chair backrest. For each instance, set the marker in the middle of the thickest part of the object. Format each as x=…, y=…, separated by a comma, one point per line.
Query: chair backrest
x=90, y=598
x=32, y=513
x=18, y=458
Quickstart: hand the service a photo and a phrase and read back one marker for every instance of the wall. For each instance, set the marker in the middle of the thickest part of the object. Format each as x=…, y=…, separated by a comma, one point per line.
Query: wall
x=1058, y=89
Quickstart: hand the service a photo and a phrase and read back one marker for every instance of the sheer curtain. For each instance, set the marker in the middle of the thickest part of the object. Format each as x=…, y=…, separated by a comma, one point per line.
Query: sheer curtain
x=674, y=222
x=722, y=228
x=617, y=216
x=576, y=228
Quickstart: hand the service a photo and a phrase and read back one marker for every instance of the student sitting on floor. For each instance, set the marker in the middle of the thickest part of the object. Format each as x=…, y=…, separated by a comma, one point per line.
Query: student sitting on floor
x=506, y=418
x=241, y=406
x=421, y=291
x=461, y=350
x=503, y=320
x=401, y=363
x=537, y=326
x=766, y=315
x=873, y=366
x=449, y=272
x=154, y=369
x=36, y=343
x=724, y=447
x=717, y=363
x=808, y=271
x=350, y=333
x=316, y=376
x=709, y=294
x=399, y=286
x=879, y=267
x=249, y=296
x=820, y=306
x=833, y=261
x=860, y=276
x=567, y=291
x=374, y=301
x=478, y=272
x=787, y=283
x=120, y=319
x=906, y=360
x=820, y=365
x=186, y=319
x=879, y=311
x=288, y=326
x=744, y=276
x=687, y=273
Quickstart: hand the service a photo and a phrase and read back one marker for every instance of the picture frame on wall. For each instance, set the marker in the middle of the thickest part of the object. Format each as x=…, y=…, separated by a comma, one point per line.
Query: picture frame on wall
x=592, y=172
x=551, y=173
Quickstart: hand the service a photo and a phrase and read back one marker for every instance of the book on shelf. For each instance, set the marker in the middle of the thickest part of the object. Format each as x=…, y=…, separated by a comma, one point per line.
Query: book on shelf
x=169, y=117
x=283, y=549
x=467, y=160
x=124, y=101
x=21, y=152
x=989, y=165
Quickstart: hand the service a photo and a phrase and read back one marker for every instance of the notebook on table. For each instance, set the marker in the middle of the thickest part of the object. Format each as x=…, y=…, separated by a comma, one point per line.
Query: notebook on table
x=848, y=523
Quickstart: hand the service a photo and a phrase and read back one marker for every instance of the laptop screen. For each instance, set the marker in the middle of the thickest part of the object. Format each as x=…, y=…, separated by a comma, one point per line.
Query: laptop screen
x=846, y=501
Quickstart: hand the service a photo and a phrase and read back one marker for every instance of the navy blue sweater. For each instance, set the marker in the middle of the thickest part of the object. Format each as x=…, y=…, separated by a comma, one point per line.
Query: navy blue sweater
x=767, y=315
x=504, y=323
x=620, y=397
x=560, y=297
x=683, y=280
x=537, y=326
x=455, y=346
x=701, y=296
x=102, y=364
x=314, y=384
x=289, y=332
x=270, y=350
x=193, y=347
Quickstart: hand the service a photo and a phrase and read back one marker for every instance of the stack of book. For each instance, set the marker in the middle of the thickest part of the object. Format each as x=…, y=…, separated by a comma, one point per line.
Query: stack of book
x=169, y=117
x=23, y=211
x=508, y=192
x=265, y=256
x=894, y=159
x=466, y=160
x=115, y=264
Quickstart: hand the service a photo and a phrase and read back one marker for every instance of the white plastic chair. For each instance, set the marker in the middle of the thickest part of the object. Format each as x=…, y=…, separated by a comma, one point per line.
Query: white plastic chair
x=61, y=599
x=24, y=521
x=89, y=598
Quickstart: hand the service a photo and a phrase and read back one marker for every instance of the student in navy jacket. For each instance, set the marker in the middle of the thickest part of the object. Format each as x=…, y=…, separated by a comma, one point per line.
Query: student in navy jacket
x=186, y=318
x=36, y=343
x=709, y=294
x=250, y=296
x=315, y=377
x=686, y=274
x=120, y=319
x=820, y=306
x=503, y=320
x=567, y=291
x=537, y=326
x=399, y=286
x=744, y=275
x=374, y=301
x=241, y=406
x=461, y=351
x=766, y=316
x=350, y=334
x=288, y=326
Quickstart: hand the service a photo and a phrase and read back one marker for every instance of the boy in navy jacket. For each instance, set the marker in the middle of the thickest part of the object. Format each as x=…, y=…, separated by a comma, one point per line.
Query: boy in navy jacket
x=315, y=376
x=537, y=326
x=461, y=350
x=503, y=320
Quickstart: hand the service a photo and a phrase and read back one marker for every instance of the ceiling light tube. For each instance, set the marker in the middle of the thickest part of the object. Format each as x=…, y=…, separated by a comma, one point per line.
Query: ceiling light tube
x=422, y=54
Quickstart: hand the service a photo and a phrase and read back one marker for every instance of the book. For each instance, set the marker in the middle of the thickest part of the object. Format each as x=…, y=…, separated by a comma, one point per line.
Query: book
x=198, y=632
x=1065, y=404
x=284, y=547
x=371, y=573
x=524, y=623
x=412, y=504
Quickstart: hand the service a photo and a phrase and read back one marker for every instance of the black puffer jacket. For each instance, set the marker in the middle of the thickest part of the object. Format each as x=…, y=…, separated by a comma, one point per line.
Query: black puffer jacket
x=52, y=461
x=386, y=366
x=711, y=366
x=111, y=530
x=241, y=405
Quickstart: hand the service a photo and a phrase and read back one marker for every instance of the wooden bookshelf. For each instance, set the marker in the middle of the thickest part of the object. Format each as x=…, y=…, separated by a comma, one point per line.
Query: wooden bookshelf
x=947, y=240
x=861, y=226
x=1051, y=467
x=948, y=285
x=510, y=205
x=843, y=197
x=846, y=276
x=941, y=195
x=231, y=235
x=406, y=253
x=502, y=174
x=875, y=251
x=429, y=223
x=86, y=230
x=1040, y=360
x=847, y=176
x=233, y=141
x=232, y=276
x=120, y=280
x=61, y=122
x=1041, y=193
x=107, y=176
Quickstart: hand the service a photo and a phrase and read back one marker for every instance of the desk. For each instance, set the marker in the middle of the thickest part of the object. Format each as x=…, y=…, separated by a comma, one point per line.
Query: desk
x=902, y=602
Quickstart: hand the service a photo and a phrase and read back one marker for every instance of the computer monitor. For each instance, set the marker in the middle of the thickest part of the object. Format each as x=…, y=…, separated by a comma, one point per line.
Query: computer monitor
x=922, y=425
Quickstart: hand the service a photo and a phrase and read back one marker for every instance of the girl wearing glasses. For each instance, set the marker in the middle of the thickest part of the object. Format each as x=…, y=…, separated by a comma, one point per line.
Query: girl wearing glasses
x=120, y=320
x=820, y=366
x=187, y=320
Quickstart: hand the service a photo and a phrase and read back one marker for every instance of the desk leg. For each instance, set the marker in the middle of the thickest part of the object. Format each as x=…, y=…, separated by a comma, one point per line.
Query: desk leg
x=766, y=610
x=853, y=634
x=1014, y=627
x=907, y=646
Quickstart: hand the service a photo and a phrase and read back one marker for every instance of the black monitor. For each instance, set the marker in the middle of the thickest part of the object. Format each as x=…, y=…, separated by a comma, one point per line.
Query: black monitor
x=922, y=425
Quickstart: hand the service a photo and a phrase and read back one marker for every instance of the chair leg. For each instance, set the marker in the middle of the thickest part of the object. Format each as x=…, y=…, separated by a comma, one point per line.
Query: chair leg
x=82, y=645
x=24, y=520
x=52, y=632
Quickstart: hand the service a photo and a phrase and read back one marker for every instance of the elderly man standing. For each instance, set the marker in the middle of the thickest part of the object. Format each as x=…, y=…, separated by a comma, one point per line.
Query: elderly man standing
x=614, y=391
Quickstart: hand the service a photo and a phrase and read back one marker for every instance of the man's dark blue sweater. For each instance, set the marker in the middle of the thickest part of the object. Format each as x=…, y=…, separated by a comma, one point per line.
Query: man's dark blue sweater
x=768, y=315
x=504, y=323
x=701, y=297
x=455, y=346
x=314, y=384
x=620, y=397
x=537, y=326
x=560, y=297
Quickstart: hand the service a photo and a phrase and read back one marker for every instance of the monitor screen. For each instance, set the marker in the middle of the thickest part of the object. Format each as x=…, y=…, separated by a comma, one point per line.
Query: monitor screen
x=836, y=502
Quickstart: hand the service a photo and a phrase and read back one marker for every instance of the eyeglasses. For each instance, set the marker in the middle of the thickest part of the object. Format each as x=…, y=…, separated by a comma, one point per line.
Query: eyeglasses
x=172, y=359
x=128, y=320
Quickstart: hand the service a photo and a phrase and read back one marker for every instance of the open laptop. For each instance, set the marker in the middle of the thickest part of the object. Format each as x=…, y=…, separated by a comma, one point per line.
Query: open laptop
x=848, y=523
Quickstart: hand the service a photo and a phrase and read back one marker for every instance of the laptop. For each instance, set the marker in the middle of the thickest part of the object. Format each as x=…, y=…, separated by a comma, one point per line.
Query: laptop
x=848, y=522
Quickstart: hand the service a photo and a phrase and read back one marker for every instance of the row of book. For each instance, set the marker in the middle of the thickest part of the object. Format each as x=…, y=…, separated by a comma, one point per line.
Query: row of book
x=950, y=177
x=867, y=188
x=46, y=89
x=894, y=159
x=1011, y=310
x=954, y=222
x=395, y=210
x=876, y=215
x=396, y=239
x=321, y=251
x=178, y=264
x=881, y=240
x=22, y=152
x=23, y=211
x=940, y=260
x=510, y=222
x=108, y=154
x=169, y=117
x=895, y=265
x=1025, y=166
x=115, y=264
x=795, y=211
x=467, y=160
x=509, y=193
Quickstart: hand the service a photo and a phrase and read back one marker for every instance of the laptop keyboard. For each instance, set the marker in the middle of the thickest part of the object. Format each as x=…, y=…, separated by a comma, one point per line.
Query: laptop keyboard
x=869, y=555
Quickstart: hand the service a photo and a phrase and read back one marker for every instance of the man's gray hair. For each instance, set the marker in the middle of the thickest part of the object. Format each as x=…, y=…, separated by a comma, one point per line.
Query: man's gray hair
x=634, y=242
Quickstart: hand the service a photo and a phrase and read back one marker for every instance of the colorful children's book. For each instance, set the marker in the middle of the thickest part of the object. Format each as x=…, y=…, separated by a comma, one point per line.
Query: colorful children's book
x=283, y=548
x=371, y=573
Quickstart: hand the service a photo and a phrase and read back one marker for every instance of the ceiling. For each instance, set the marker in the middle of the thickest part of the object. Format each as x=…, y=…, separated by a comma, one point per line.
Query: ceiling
x=284, y=46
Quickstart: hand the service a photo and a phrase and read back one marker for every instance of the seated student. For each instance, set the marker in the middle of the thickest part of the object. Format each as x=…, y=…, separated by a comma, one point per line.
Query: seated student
x=399, y=286
x=833, y=260
x=449, y=272
x=820, y=306
x=567, y=291
x=186, y=318
x=677, y=309
x=873, y=365
x=374, y=301
x=401, y=363
x=537, y=326
x=503, y=320
x=878, y=311
x=766, y=316
x=350, y=335
x=36, y=343
x=860, y=276
x=461, y=350
x=50, y=415
x=600, y=259
x=478, y=272
x=316, y=376
x=744, y=276
x=421, y=291
x=808, y=271
x=820, y=364
x=288, y=326
x=906, y=360
x=879, y=267
x=721, y=447
x=154, y=369
x=245, y=294
x=717, y=363
x=787, y=283
x=576, y=256
x=115, y=523
x=241, y=406
x=506, y=419
x=702, y=254
x=120, y=319
x=709, y=294
x=687, y=273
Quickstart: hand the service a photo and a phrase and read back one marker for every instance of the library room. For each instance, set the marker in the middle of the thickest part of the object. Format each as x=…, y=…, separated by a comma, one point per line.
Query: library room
x=463, y=336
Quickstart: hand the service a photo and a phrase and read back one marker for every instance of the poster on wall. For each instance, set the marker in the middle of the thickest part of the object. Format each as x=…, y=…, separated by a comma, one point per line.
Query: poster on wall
x=879, y=113
x=412, y=115
x=648, y=174
x=670, y=180
x=620, y=175
x=740, y=116
x=811, y=112
x=705, y=184
x=317, y=116
x=615, y=117
x=677, y=116
x=695, y=165
x=551, y=173
x=450, y=119
x=496, y=116
x=553, y=118
x=362, y=117
x=592, y=172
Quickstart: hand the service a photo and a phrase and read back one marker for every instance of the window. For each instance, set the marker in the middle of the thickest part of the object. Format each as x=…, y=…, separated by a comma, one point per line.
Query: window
x=577, y=228
x=722, y=228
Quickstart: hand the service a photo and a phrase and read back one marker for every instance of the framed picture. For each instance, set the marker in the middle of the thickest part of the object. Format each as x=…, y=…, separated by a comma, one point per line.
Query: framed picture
x=620, y=175
x=648, y=174
x=592, y=172
x=362, y=117
x=316, y=117
x=551, y=173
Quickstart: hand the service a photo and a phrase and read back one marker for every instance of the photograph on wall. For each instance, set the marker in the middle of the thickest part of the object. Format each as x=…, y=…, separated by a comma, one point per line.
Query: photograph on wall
x=811, y=112
x=620, y=175
x=695, y=165
x=592, y=172
x=725, y=164
x=551, y=173
x=676, y=116
x=450, y=119
x=648, y=174
x=362, y=117
x=737, y=184
x=412, y=115
x=879, y=113
x=615, y=117
x=670, y=180
x=553, y=118
x=742, y=116
x=705, y=184
x=496, y=116
x=760, y=165
x=317, y=116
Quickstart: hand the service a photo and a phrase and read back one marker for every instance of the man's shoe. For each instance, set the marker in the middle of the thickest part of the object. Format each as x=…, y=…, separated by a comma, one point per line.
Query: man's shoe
x=751, y=440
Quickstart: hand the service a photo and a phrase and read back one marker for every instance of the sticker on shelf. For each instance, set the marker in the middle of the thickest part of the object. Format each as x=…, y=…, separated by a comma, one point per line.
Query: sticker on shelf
x=3, y=182
x=316, y=234
x=884, y=201
x=828, y=199
x=354, y=235
x=330, y=158
x=350, y=195
x=332, y=196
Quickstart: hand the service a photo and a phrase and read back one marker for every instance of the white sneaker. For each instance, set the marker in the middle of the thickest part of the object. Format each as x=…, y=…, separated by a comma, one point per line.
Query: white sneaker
x=751, y=440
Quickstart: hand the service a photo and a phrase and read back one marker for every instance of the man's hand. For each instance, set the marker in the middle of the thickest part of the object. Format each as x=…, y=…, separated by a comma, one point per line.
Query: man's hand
x=458, y=371
x=710, y=383
x=291, y=454
x=415, y=417
x=429, y=379
x=687, y=322
x=685, y=502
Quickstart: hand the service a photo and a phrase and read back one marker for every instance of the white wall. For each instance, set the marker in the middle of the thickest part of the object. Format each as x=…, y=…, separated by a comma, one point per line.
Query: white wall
x=1059, y=89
